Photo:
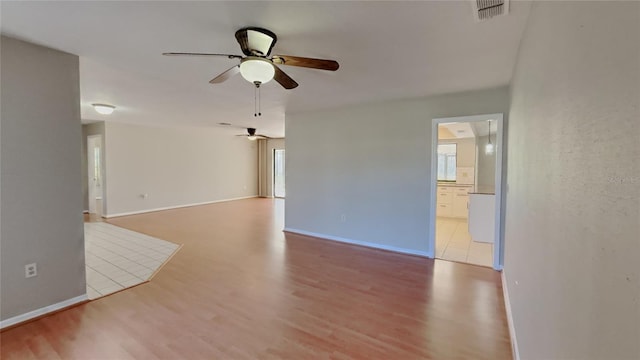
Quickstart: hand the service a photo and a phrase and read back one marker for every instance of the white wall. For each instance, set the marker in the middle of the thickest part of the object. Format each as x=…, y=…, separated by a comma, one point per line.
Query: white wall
x=371, y=163
x=572, y=253
x=41, y=178
x=175, y=166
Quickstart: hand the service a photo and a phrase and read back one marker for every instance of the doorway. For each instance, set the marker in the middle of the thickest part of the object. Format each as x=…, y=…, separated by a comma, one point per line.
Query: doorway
x=94, y=176
x=466, y=188
x=278, y=173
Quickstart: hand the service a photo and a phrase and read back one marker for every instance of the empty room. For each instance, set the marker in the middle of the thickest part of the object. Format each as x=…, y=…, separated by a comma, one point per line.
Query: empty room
x=320, y=180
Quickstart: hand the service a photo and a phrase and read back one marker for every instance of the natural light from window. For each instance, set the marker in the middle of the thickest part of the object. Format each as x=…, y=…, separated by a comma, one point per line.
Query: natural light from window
x=446, y=162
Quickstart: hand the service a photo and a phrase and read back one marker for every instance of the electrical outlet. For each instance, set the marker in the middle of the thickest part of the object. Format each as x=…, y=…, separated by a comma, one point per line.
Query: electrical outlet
x=30, y=270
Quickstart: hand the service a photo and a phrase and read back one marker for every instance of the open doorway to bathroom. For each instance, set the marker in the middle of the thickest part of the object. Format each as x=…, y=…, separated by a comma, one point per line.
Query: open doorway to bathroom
x=94, y=175
x=278, y=173
x=466, y=186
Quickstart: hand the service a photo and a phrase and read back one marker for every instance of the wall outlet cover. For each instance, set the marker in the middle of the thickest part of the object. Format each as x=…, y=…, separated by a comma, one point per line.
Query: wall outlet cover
x=30, y=270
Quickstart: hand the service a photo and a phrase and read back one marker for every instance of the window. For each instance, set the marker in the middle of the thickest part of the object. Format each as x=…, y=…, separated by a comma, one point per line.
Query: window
x=446, y=162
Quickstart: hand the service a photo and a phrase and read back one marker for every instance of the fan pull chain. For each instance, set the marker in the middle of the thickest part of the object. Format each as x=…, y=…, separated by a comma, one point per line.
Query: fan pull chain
x=259, y=113
x=256, y=99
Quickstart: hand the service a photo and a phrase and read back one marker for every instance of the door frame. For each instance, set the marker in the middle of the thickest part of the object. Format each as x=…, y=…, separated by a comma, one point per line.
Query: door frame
x=498, y=240
x=273, y=174
x=90, y=185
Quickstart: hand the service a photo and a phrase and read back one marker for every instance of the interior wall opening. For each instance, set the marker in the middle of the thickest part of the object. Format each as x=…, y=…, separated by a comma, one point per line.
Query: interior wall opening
x=465, y=209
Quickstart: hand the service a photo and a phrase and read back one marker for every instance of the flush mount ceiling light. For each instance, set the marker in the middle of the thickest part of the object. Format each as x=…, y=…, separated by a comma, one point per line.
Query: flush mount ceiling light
x=104, y=109
x=257, y=70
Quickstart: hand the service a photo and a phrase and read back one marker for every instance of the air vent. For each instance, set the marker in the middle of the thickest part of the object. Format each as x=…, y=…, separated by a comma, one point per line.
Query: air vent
x=486, y=9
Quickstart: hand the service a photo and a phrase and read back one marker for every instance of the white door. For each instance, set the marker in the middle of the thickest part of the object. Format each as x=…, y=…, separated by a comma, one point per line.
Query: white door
x=94, y=160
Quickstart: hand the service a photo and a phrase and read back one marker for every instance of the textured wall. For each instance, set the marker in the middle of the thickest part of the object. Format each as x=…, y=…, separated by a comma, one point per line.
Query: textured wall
x=41, y=178
x=372, y=164
x=176, y=166
x=572, y=258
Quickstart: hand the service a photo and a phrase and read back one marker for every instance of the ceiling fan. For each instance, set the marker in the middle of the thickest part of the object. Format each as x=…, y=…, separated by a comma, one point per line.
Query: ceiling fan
x=251, y=135
x=258, y=66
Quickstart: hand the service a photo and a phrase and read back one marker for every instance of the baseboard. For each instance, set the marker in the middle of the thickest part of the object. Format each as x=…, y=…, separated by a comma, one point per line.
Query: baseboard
x=358, y=242
x=512, y=330
x=108, y=216
x=47, y=310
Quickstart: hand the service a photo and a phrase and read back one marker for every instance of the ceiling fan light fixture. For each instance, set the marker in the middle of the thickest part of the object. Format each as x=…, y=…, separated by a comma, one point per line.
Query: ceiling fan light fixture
x=252, y=137
x=257, y=70
x=104, y=109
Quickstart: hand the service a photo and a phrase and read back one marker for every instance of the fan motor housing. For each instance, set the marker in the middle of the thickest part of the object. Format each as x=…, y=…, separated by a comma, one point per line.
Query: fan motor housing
x=255, y=41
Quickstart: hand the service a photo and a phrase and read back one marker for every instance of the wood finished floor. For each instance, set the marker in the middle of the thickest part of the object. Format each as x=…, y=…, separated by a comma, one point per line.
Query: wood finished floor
x=241, y=289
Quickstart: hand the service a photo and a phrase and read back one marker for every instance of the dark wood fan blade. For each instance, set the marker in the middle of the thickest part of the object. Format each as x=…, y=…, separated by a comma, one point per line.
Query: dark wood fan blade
x=263, y=136
x=283, y=79
x=321, y=64
x=225, y=75
x=230, y=56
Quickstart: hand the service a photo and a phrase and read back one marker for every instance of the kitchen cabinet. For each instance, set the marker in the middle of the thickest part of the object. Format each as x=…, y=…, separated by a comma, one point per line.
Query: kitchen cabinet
x=452, y=200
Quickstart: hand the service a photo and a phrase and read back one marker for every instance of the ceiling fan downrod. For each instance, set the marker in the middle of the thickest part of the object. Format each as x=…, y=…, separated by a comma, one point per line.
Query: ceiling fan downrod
x=256, y=99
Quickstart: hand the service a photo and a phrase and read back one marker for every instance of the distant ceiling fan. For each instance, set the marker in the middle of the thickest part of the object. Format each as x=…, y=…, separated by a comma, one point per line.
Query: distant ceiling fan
x=258, y=66
x=251, y=135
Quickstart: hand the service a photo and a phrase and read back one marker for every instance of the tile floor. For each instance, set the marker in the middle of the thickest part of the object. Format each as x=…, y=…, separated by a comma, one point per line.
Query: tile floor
x=118, y=258
x=454, y=243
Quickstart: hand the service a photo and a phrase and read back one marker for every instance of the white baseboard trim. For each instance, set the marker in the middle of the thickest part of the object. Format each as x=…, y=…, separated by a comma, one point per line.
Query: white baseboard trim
x=358, y=242
x=512, y=330
x=108, y=216
x=42, y=311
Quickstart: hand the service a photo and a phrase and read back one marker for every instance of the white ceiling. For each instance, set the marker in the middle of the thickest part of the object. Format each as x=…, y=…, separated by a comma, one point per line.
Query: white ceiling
x=386, y=50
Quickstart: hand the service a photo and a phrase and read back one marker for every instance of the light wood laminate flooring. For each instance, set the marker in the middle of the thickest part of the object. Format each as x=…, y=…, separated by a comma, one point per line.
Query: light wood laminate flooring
x=241, y=289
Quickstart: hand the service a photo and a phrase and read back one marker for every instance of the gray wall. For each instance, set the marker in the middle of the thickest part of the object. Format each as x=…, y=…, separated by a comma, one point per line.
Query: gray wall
x=87, y=130
x=176, y=166
x=40, y=175
x=486, y=167
x=572, y=259
x=371, y=163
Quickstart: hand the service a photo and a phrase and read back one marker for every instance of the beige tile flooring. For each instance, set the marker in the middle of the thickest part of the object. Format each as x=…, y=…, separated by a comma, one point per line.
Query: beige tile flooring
x=454, y=243
x=118, y=258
